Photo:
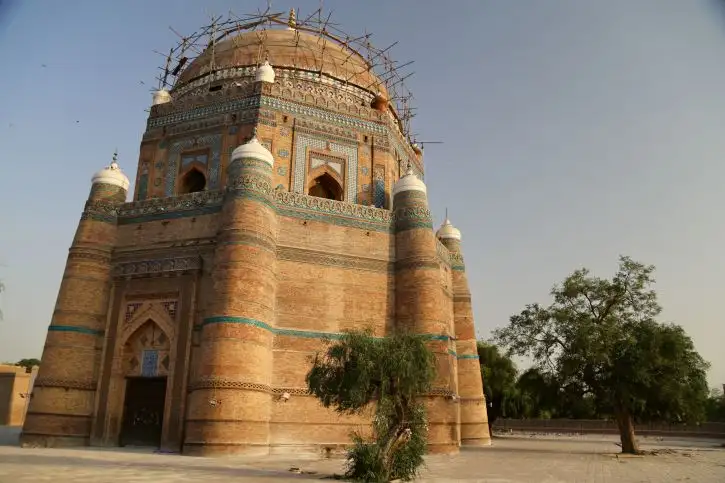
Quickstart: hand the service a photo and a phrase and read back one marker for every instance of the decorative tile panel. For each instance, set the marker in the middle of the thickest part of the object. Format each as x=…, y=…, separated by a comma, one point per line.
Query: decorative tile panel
x=149, y=363
x=379, y=186
x=212, y=141
x=282, y=170
x=283, y=153
x=303, y=142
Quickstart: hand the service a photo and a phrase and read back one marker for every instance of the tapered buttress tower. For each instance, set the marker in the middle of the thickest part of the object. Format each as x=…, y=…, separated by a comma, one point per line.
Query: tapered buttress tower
x=279, y=201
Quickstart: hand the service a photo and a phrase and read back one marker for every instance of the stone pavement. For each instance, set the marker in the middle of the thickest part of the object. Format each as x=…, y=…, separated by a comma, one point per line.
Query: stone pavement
x=522, y=458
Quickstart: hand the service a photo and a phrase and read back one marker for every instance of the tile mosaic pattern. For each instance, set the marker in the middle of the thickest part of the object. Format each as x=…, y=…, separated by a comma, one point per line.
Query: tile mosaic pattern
x=150, y=363
x=379, y=187
x=212, y=141
x=303, y=142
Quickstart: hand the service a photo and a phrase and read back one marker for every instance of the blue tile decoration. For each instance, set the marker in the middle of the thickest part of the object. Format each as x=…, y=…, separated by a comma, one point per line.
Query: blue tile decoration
x=283, y=153
x=306, y=334
x=282, y=170
x=212, y=141
x=303, y=142
x=150, y=363
x=233, y=129
x=194, y=158
x=159, y=164
x=379, y=187
x=73, y=328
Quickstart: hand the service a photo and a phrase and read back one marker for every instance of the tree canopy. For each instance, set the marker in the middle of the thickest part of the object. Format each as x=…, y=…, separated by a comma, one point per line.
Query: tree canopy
x=499, y=381
x=600, y=337
x=28, y=364
x=392, y=371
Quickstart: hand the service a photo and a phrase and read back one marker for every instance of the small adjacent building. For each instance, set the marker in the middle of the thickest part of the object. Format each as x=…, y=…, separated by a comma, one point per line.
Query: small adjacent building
x=16, y=385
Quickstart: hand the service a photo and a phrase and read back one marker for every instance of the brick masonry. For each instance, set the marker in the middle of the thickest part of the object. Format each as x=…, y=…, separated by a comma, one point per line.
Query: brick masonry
x=229, y=292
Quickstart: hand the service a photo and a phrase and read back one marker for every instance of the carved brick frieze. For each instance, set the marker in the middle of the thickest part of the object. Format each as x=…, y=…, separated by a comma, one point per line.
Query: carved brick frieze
x=144, y=268
x=327, y=129
x=443, y=252
x=65, y=383
x=192, y=201
x=100, y=210
x=333, y=259
x=338, y=212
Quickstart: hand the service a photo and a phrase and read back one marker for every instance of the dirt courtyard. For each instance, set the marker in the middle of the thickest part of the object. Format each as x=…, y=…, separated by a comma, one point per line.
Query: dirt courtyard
x=512, y=458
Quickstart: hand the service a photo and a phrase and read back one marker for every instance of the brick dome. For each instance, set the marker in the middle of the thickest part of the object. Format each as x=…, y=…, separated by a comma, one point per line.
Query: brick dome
x=288, y=48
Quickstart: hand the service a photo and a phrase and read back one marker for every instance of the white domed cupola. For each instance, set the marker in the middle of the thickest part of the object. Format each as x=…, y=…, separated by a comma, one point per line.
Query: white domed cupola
x=253, y=149
x=264, y=73
x=409, y=182
x=111, y=175
x=448, y=231
x=161, y=96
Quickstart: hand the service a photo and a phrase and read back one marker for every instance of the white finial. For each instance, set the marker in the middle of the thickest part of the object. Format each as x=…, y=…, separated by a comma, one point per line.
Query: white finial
x=112, y=174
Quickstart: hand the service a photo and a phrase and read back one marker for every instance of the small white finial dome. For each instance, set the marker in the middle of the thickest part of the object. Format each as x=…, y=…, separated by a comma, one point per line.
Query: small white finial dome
x=409, y=182
x=112, y=175
x=253, y=149
x=162, y=96
x=447, y=230
x=265, y=73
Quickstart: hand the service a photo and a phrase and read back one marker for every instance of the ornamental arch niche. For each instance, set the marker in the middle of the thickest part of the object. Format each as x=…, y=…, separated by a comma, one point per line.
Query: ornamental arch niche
x=142, y=375
x=325, y=186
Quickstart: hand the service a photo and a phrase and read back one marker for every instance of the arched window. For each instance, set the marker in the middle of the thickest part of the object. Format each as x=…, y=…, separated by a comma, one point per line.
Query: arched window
x=325, y=186
x=193, y=181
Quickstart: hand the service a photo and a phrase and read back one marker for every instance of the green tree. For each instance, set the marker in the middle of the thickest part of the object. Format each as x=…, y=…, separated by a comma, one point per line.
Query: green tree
x=602, y=336
x=715, y=408
x=28, y=364
x=499, y=382
x=538, y=394
x=392, y=372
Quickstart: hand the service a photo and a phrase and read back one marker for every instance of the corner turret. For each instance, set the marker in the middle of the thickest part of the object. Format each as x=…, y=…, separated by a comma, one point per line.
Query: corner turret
x=65, y=388
x=420, y=307
x=235, y=351
x=474, y=416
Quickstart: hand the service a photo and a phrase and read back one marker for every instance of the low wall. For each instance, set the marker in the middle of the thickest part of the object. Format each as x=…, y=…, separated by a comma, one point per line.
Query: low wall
x=703, y=430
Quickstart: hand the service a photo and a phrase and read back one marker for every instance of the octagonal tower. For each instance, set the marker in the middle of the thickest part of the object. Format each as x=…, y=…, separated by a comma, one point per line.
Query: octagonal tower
x=261, y=225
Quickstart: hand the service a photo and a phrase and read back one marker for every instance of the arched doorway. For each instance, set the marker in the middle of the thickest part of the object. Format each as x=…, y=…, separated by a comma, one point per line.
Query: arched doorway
x=193, y=181
x=325, y=186
x=145, y=360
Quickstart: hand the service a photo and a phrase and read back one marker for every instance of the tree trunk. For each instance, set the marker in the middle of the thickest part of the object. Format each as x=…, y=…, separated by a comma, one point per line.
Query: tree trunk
x=626, y=432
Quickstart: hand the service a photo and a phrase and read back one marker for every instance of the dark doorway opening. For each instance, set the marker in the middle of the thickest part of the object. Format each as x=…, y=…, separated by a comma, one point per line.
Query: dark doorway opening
x=193, y=182
x=325, y=186
x=143, y=412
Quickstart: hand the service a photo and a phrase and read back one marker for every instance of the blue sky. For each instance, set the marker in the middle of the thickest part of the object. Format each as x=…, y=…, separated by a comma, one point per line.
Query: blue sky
x=574, y=130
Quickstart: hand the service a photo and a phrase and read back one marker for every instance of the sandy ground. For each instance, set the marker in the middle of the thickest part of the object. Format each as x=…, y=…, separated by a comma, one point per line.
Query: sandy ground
x=512, y=458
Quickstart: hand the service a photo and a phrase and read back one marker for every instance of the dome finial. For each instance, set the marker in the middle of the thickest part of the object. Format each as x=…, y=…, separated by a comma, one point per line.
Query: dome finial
x=292, y=22
x=114, y=160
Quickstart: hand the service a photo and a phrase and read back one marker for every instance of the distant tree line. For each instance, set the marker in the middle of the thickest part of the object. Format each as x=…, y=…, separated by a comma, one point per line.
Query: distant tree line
x=534, y=394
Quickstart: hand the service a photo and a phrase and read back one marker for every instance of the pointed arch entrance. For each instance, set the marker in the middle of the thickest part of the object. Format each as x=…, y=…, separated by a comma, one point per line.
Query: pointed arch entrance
x=146, y=353
x=325, y=186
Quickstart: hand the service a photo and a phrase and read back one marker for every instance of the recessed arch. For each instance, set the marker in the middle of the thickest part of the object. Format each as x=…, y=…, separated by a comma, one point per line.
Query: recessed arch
x=193, y=181
x=325, y=186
